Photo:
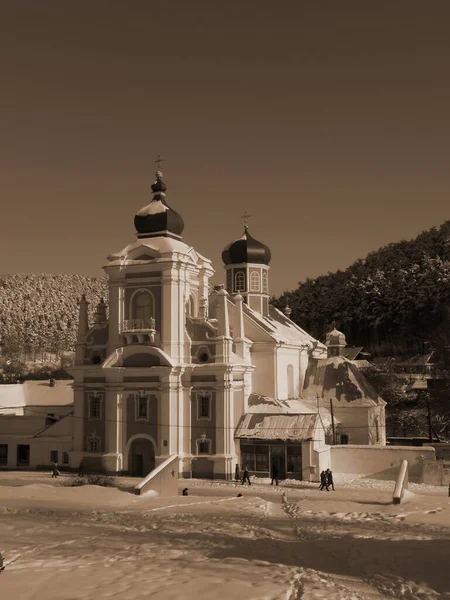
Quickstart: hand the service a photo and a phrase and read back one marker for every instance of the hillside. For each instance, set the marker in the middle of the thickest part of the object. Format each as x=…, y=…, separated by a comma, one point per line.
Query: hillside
x=39, y=312
x=395, y=301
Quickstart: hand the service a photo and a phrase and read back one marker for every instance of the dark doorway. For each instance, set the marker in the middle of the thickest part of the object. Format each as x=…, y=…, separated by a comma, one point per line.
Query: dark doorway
x=278, y=459
x=137, y=465
x=141, y=458
x=23, y=455
x=3, y=454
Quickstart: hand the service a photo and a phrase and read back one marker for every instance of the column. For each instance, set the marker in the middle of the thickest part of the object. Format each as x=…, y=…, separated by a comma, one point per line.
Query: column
x=116, y=294
x=111, y=460
x=78, y=425
x=168, y=430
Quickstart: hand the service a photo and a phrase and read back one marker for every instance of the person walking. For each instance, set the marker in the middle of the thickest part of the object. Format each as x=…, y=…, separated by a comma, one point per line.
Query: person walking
x=330, y=481
x=237, y=473
x=323, y=481
x=274, y=474
x=55, y=471
x=246, y=477
x=81, y=469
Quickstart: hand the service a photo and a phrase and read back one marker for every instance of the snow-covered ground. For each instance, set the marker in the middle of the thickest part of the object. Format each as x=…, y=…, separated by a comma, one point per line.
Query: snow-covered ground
x=284, y=543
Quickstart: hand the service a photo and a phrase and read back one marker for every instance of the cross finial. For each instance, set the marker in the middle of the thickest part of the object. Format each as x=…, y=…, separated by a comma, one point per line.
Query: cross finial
x=158, y=161
x=246, y=217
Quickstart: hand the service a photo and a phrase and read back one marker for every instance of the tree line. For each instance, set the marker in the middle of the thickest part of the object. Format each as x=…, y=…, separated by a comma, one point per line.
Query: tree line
x=393, y=302
x=39, y=312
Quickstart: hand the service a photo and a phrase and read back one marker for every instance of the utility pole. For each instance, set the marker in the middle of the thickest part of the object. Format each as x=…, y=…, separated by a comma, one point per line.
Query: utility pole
x=430, y=428
x=332, y=422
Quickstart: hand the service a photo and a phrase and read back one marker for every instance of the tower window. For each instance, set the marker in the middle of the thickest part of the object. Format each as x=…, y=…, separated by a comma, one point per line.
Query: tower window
x=203, y=446
x=95, y=406
x=265, y=286
x=142, y=408
x=142, y=307
x=254, y=281
x=204, y=406
x=239, y=282
x=229, y=280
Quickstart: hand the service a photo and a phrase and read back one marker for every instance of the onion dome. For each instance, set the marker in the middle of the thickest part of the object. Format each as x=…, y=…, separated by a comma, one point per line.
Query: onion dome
x=246, y=250
x=157, y=218
x=335, y=338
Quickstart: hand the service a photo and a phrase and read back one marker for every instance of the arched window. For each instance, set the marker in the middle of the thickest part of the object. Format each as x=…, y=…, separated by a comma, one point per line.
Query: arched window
x=142, y=305
x=254, y=282
x=290, y=381
x=265, y=286
x=239, y=282
x=191, y=306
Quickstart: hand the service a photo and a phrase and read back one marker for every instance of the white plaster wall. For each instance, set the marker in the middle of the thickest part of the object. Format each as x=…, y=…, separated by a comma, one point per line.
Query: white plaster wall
x=39, y=451
x=381, y=460
x=263, y=377
x=354, y=421
x=285, y=357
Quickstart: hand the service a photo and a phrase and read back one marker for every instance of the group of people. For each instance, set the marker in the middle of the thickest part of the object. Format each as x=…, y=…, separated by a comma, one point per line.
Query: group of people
x=326, y=480
x=326, y=477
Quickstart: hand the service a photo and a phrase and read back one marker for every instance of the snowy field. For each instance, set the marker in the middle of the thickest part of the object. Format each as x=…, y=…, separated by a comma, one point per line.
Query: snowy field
x=62, y=543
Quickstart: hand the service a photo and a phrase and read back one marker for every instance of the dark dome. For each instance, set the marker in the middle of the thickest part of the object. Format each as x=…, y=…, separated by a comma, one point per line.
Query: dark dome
x=158, y=219
x=246, y=250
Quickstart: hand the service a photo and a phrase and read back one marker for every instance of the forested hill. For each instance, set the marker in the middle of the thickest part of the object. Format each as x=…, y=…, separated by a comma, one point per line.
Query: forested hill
x=39, y=312
x=395, y=301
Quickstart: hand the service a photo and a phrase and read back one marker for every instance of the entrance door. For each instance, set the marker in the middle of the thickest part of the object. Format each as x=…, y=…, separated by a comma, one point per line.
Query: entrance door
x=278, y=458
x=137, y=465
x=141, y=459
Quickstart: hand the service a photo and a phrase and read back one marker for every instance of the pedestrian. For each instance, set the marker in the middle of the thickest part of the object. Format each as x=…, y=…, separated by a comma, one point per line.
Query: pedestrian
x=237, y=473
x=323, y=481
x=246, y=477
x=55, y=471
x=330, y=479
x=274, y=474
x=81, y=469
x=185, y=492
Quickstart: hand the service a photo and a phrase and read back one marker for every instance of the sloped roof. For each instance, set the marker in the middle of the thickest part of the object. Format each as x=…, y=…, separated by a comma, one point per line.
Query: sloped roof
x=281, y=328
x=352, y=353
x=418, y=360
x=40, y=393
x=337, y=377
x=277, y=427
x=264, y=404
x=62, y=427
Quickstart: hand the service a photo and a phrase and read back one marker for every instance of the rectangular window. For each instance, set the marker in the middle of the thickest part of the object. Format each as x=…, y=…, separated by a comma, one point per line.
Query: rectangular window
x=65, y=458
x=93, y=445
x=142, y=407
x=95, y=406
x=248, y=457
x=204, y=446
x=54, y=456
x=3, y=454
x=23, y=455
x=204, y=406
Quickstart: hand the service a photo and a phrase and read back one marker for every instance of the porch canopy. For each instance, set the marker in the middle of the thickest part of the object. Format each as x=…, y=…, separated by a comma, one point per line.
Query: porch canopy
x=293, y=427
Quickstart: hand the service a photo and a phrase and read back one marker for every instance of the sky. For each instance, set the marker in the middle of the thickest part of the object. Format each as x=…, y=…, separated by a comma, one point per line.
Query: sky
x=328, y=122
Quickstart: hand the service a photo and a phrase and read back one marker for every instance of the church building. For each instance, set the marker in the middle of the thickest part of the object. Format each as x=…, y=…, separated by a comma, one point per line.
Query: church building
x=213, y=374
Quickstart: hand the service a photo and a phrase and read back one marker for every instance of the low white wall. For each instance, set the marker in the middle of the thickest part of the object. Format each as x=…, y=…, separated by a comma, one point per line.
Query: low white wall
x=163, y=479
x=382, y=462
x=436, y=472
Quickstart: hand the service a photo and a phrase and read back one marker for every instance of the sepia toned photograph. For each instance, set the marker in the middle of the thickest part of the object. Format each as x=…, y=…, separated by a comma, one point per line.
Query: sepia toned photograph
x=224, y=300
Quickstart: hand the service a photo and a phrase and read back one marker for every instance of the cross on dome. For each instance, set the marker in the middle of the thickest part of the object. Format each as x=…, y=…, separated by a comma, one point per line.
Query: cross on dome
x=246, y=217
x=158, y=162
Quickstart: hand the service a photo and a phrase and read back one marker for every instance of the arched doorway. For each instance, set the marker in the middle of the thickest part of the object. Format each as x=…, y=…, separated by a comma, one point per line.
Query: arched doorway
x=141, y=459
